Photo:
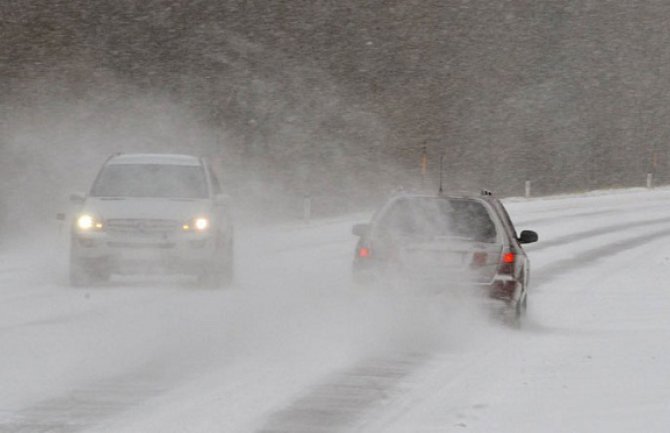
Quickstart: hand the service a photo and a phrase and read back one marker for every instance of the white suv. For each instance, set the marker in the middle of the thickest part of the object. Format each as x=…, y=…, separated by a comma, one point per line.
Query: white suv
x=149, y=213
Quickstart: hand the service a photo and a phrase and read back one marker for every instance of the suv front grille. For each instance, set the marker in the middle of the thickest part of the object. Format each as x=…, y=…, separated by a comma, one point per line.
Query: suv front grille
x=148, y=226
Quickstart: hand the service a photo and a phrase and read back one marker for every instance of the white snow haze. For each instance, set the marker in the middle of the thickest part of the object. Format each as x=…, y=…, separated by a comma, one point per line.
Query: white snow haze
x=312, y=115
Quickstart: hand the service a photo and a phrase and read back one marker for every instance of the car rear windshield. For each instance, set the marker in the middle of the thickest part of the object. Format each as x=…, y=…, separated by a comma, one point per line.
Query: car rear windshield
x=436, y=217
x=151, y=180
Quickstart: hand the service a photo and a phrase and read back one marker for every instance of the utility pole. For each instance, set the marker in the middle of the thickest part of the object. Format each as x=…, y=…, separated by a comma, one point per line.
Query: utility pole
x=441, y=170
x=652, y=165
x=424, y=166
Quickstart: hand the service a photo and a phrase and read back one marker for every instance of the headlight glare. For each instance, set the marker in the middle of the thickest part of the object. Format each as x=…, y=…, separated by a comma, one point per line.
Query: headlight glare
x=87, y=222
x=201, y=224
x=198, y=224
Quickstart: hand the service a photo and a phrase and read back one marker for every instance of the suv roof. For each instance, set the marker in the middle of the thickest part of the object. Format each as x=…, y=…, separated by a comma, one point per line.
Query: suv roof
x=154, y=158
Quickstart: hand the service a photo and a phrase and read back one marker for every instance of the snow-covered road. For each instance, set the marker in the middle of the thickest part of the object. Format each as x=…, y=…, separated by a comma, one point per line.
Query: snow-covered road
x=294, y=348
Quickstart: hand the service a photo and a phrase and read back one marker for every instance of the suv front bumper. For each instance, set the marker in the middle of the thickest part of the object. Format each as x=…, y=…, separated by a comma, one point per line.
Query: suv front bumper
x=147, y=254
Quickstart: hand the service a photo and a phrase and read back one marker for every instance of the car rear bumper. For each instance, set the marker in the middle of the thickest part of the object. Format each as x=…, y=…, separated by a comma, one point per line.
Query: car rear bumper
x=500, y=287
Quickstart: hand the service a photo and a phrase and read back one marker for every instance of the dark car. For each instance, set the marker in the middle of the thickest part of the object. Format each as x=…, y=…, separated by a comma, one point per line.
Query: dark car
x=449, y=240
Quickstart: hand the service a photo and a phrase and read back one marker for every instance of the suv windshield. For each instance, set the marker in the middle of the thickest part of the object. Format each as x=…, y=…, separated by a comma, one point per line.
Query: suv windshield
x=432, y=217
x=150, y=180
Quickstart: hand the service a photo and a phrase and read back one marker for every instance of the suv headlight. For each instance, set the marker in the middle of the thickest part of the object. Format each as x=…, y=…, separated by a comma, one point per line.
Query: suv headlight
x=87, y=222
x=198, y=224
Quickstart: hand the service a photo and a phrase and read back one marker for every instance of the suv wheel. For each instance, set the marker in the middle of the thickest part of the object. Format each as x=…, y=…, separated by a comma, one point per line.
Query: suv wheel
x=218, y=274
x=215, y=278
x=81, y=275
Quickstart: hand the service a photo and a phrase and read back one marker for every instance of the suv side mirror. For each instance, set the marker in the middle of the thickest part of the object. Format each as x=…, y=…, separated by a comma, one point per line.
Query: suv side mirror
x=360, y=229
x=77, y=198
x=528, y=237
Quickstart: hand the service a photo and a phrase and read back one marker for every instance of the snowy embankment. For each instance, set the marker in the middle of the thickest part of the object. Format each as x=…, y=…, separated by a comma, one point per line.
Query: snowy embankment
x=293, y=348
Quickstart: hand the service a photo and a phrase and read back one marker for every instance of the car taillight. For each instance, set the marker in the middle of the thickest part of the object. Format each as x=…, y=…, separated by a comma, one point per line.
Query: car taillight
x=509, y=258
x=478, y=259
x=507, y=263
x=364, y=252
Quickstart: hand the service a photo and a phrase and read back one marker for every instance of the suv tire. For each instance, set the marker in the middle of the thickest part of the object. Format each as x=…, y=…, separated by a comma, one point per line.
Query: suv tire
x=219, y=274
x=81, y=276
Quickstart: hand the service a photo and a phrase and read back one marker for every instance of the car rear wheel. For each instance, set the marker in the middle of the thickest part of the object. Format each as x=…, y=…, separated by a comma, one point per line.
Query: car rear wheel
x=522, y=306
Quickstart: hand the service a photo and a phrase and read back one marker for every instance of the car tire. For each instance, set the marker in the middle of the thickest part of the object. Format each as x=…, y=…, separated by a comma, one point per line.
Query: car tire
x=81, y=276
x=228, y=269
x=521, y=306
x=215, y=279
x=209, y=279
x=219, y=275
x=226, y=276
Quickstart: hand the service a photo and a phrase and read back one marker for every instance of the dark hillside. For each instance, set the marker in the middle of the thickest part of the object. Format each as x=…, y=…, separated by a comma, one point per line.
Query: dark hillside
x=336, y=99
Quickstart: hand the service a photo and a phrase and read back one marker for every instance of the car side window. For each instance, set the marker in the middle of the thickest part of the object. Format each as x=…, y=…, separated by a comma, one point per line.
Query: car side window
x=505, y=217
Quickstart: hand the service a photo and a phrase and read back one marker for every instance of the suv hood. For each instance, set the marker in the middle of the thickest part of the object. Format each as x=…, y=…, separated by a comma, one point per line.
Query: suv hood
x=147, y=208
